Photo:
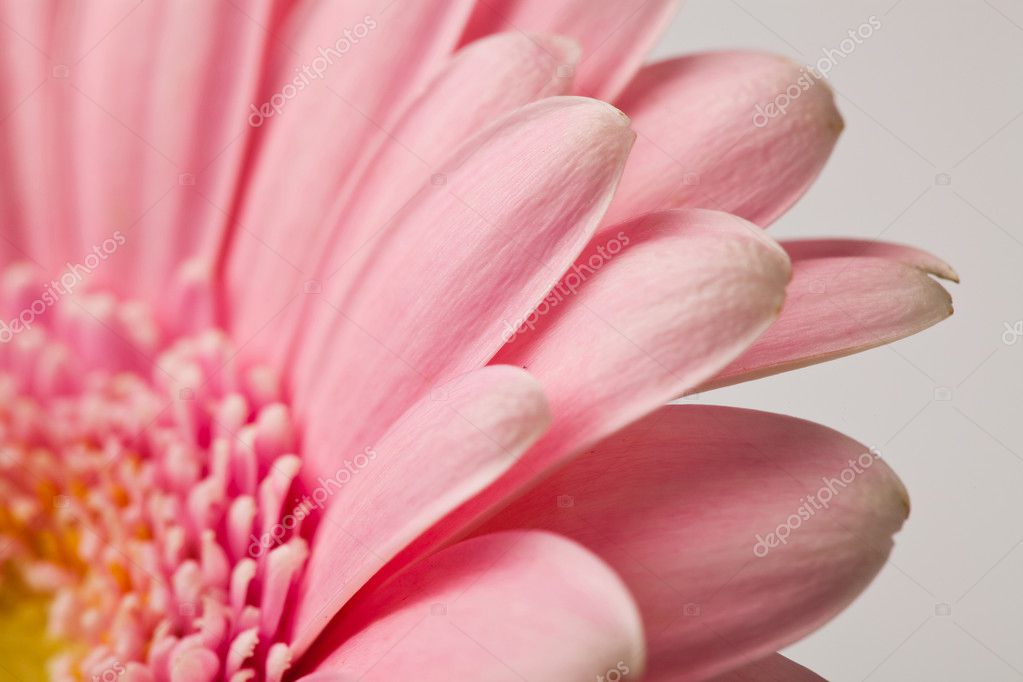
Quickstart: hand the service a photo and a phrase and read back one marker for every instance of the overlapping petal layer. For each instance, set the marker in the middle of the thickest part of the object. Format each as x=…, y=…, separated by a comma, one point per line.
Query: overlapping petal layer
x=445, y=449
x=504, y=607
x=687, y=292
x=553, y=166
x=736, y=531
x=615, y=36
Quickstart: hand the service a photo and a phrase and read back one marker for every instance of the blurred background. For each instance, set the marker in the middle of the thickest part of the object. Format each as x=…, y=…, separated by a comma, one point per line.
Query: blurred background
x=930, y=156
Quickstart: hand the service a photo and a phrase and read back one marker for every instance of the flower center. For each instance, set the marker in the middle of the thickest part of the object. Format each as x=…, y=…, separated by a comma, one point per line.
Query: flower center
x=138, y=481
x=24, y=645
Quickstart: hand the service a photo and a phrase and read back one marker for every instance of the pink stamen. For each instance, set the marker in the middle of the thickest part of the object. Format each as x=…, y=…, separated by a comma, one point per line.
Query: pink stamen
x=144, y=489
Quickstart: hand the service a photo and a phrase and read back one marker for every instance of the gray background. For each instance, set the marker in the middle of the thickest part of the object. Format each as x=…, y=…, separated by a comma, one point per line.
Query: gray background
x=935, y=91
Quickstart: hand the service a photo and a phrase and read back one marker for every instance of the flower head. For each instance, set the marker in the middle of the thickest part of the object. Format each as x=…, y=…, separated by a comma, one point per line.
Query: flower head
x=336, y=340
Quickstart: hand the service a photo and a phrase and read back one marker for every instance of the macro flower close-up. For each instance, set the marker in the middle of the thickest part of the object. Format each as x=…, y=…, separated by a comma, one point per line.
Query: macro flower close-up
x=350, y=340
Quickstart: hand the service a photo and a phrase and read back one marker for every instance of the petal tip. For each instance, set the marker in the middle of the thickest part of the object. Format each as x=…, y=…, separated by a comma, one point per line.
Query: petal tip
x=933, y=265
x=836, y=123
x=610, y=114
x=892, y=499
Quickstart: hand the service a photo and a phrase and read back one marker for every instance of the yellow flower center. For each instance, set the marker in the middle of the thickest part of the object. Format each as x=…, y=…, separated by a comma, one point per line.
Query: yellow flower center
x=25, y=645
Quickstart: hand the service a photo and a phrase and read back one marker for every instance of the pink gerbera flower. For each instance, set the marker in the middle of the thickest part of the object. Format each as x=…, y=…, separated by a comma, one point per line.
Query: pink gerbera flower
x=336, y=339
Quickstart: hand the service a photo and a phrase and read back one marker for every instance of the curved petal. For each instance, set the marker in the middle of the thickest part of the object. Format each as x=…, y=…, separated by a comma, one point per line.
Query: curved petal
x=807, y=249
x=504, y=608
x=737, y=531
x=615, y=35
x=341, y=77
x=444, y=450
x=688, y=291
x=485, y=81
x=485, y=245
x=837, y=307
x=774, y=668
x=701, y=143
x=674, y=298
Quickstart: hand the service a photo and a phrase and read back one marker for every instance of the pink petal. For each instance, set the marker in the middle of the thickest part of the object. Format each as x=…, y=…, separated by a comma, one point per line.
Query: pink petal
x=683, y=506
x=774, y=668
x=689, y=290
x=368, y=58
x=806, y=249
x=485, y=81
x=699, y=145
x=840, y=306
x=502, y=608
x=32, y=167
x=443, y=451
x=615, y=36
x=135, y=125
x=462, y=256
